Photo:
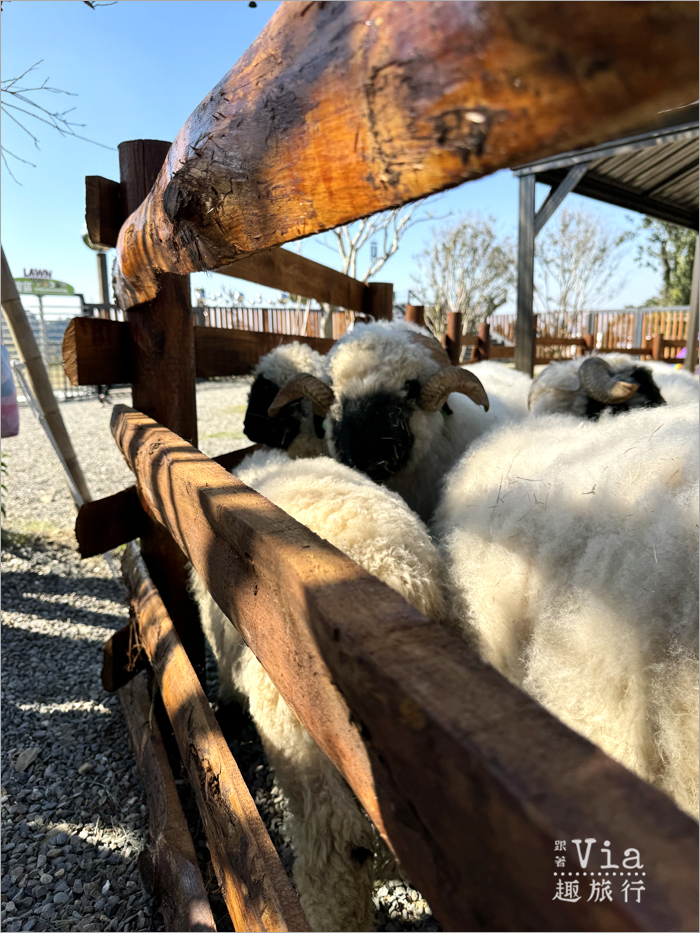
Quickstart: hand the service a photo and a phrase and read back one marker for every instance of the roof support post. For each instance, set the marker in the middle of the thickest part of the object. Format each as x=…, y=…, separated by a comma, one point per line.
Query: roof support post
x=525, y=324
x=691, y=354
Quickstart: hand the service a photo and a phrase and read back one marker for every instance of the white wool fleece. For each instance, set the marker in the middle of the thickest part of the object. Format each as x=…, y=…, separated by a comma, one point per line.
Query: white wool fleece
x=333, y=840
x=573, y=550
x=285, y=361
x=382, y=357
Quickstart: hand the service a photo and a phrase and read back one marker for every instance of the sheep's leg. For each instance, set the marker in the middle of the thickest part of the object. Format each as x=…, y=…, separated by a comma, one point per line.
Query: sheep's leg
x=331, y=837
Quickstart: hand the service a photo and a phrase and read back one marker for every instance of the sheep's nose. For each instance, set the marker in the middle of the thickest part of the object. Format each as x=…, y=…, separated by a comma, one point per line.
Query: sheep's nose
x=373, y=435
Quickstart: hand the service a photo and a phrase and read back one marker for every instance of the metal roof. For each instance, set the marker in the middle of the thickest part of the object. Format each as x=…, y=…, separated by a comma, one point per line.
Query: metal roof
x=655, y=173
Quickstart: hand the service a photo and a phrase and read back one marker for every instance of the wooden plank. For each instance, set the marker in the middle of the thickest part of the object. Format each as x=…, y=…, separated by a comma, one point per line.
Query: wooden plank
x=256, y=889
x=97, y=352
x=470, y=780
x=482, y=347
x=557, y=194
x=104, y=214
x=560, y=342
x=106, y=523
x=525, y=321
x=221, y=351
x=170, y=862
x=290, y=272
x=340, y=110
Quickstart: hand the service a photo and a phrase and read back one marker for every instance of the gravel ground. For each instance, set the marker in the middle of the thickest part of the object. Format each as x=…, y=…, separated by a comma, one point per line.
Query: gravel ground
x=74, y=814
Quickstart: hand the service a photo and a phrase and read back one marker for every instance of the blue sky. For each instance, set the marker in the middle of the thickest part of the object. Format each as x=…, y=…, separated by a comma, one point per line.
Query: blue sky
x=139, y=68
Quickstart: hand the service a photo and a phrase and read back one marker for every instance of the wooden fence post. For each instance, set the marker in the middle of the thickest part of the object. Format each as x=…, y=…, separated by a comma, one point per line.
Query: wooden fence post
x=657, y=347
x=164, y=385
x=691, y=353
x=524, y=324
x=453, y=336
x=379, y=300
x=482, y=348
x=415, y=314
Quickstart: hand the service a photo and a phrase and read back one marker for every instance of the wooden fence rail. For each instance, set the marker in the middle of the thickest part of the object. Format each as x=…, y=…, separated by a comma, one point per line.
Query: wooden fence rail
x=336, y=111
x=473, y=768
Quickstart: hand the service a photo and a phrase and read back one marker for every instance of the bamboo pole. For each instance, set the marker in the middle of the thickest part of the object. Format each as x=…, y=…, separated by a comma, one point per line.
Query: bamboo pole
x=29, y=352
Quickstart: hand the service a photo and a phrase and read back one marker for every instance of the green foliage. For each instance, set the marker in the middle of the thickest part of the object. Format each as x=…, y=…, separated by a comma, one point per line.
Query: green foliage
x=467, y=268
x=668, y=249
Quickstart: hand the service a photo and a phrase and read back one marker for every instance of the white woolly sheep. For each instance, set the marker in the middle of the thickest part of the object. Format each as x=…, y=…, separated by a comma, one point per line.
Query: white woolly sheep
x=296, y=429
x=332, y=838
x=587, y=386
x=396, y=409
x=573, y=551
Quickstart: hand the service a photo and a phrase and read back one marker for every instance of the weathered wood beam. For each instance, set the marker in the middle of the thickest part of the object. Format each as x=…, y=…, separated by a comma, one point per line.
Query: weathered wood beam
x=525, y=319
x=163, y=384
x=97, y=352
x=104, y=213
x=223, y=352
x=280, y=268
x=691, y=355
x=339, y=110
x=170, y=862
x=106, y=523
x=470, y=780
x=453, y=340
x=256, y=889
x=122, y=658
x=558, y=194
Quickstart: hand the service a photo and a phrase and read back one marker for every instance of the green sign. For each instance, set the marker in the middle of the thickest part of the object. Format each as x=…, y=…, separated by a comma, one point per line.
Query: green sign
x=43, y=287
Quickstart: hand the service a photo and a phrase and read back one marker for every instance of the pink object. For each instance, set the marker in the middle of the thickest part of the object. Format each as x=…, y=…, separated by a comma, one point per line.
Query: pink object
x=9, y=420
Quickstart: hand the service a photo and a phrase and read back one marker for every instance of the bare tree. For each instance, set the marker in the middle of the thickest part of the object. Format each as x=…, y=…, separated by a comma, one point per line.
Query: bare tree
x=18, y=104
x=577, y=267
x=466, y=268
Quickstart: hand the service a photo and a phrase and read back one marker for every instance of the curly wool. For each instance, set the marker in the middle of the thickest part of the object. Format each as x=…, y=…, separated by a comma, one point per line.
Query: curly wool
x=573, y=552
x=375, y=528
x=677, y=386
x=383, y=357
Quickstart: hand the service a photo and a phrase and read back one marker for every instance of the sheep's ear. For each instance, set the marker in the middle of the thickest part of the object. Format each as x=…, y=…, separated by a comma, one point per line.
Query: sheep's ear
x=304, y=385
x=435, y=391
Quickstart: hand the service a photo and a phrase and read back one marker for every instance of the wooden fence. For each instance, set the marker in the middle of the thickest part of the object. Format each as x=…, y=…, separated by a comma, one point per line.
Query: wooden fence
x=336, y=111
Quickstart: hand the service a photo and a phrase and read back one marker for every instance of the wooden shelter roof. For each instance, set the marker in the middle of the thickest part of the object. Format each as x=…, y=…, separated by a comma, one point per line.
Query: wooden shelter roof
x=655, y=173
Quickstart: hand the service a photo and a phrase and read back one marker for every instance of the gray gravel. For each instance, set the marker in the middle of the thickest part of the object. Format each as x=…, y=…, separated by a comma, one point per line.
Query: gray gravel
x=74, y=814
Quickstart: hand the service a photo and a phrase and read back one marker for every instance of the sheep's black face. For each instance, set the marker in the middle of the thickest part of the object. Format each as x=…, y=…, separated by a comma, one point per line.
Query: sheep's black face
x=647, y=395
x=279, y=431
x=374, y=435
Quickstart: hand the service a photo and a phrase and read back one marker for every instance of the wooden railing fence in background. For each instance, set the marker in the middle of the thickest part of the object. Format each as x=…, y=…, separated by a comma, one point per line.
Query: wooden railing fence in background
x=468, y=779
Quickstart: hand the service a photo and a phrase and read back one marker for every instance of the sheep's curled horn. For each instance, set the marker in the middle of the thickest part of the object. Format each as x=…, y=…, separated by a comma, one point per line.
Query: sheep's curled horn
x=303, y=385
x=600, y=382
x=433, y=393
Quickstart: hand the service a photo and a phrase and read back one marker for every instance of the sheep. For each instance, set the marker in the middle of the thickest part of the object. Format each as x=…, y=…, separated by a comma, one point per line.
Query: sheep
x=587, y=387
x=572, y=548
x=395, y=408
x=297, y=429
x=332, y=838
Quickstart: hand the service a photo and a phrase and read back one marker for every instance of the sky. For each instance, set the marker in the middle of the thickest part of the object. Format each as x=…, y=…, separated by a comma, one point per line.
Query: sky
x=139, y=68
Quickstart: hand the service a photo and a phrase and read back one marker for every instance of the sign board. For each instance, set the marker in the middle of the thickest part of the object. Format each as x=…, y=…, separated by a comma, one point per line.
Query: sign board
x=32, y=286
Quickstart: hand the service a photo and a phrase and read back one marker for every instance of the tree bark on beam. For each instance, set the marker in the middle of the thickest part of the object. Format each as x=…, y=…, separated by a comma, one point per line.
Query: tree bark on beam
x=339, y=110
x=469, y=779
